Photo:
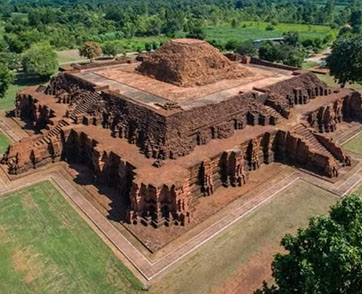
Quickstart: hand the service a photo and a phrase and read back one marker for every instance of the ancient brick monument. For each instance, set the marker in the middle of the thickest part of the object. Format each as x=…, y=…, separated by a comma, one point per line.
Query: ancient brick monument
x=179, y=125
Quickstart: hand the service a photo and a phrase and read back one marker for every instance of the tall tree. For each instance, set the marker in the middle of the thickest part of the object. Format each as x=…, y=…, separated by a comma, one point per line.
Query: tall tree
x=196, y=31
x=325, y=258
x=40, y=59
x=345, y=60
x=247, y=48
x=110, y=49
x=6, y=78
x=90, y=50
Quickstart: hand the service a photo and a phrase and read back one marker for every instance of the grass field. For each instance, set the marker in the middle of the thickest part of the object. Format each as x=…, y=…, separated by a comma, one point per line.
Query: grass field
x=21, y=81
x=354, y=145
x=358, y=191
x=331, y=82
x=309, y=64
x=4, y=143
x=68, y=56
x=46, y=247
x=257, y=30
x=238, y=260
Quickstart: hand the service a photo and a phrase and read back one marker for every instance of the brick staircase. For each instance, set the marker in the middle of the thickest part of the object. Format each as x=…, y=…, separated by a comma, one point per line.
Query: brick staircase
x=86, y=102
x=46, y=139
x=312, y=142
x=272, y=113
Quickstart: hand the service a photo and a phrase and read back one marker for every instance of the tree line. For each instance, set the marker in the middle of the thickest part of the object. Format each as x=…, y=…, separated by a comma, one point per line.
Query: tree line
x=70, y=24
x=29, y=28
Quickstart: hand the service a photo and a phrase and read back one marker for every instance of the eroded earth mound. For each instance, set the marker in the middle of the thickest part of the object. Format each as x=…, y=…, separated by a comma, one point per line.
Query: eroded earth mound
x=190, y=62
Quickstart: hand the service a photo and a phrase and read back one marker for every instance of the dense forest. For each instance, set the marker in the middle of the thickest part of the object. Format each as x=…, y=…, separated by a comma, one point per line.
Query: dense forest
x=68, y=24
x=31, y=30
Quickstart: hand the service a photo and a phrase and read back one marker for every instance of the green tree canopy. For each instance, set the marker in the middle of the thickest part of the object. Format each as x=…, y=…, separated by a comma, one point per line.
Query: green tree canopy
x=231, y=45
x=282, y=53
x=196, y=31
x=345, y=60
x=110, y=49
x=325, y=258
x=40, y=59
x=247, y=48
x=292, y=38
x=6, y=78
x=90, y=50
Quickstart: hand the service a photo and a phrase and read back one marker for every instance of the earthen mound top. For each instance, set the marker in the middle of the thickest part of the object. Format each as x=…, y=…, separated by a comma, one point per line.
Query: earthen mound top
x=190, y=62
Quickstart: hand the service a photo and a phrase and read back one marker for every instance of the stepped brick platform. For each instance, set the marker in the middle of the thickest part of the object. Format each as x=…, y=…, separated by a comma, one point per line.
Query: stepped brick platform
x=164, y=145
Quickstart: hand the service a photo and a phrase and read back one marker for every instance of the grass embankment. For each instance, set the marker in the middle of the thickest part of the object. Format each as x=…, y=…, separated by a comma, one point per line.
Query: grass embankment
x=46, y=247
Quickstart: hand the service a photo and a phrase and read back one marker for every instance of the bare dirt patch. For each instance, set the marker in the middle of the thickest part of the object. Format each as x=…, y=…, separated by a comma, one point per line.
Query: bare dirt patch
x=28, y=201
x=28, y=263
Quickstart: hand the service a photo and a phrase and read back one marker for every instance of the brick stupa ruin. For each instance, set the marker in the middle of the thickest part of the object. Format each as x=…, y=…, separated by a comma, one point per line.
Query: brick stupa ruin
x=181, y=124
x=189, y=63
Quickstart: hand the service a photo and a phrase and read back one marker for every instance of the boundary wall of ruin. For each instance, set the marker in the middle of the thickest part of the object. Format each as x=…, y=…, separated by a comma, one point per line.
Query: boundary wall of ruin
x=258, y=61
x=77, y=66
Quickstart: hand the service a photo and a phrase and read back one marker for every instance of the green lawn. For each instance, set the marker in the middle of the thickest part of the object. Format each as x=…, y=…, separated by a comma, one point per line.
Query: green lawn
x=4, y=143
x=46, y=247
x=21, y=81
x=216, y=261
x=354, y=145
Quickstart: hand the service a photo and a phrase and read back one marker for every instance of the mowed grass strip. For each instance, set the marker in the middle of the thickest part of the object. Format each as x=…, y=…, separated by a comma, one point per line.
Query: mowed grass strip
x=46, y=247
x=354, y=145
x=4, y=142
x=214, y=263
